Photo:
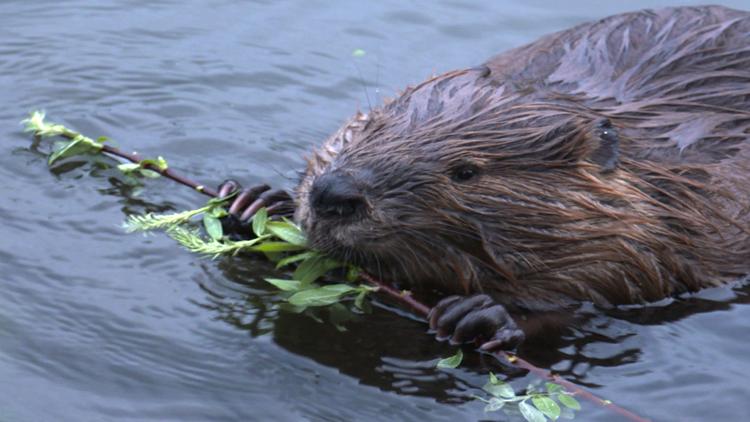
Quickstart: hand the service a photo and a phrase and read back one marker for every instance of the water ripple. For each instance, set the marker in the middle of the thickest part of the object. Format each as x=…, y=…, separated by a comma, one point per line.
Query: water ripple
x=97, y=324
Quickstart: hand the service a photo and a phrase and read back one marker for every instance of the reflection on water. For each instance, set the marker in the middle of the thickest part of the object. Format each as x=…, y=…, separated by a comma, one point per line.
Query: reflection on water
x=99, y=325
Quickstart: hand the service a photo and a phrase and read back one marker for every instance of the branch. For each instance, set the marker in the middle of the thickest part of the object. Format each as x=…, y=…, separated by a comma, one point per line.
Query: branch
x=168, y=173
x=35, y=123
x=514, y=359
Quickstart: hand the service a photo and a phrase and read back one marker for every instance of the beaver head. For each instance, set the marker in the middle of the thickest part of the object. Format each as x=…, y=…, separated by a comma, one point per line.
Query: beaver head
x=466, y=184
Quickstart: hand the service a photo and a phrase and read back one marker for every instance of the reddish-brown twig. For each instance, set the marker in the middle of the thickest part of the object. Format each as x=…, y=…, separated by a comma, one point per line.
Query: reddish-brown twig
x=514, y=359
x=168, y=173
x=398, y=295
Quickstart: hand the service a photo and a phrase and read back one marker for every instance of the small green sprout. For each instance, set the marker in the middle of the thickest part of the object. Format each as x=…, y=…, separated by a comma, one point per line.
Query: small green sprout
x=276, y=239
x=150, y=221
x=537, y=405
x=78, y=144
x=141, y=167
x=281, y=241
x=451, y=361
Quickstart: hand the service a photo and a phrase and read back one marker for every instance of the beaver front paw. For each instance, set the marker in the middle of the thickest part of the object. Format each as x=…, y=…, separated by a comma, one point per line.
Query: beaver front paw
x=247, y=202
x=475, y=319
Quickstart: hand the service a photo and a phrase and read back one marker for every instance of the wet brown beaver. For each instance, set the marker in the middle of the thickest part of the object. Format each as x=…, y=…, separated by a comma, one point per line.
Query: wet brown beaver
x=607, y=163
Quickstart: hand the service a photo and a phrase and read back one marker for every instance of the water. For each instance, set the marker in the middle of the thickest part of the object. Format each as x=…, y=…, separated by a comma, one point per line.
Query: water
x=97, y=325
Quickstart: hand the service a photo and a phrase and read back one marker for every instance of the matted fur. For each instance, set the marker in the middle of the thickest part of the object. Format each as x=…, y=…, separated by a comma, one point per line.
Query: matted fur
x=543, y=224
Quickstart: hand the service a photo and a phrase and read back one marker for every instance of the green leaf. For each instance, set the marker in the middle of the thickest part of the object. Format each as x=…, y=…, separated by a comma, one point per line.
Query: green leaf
x=259, y=221
x=221, y=201
x=338, y=314
x=77, y=146
x=494, y=379
x=161, y=221
x=314, y=268
x=213, y=226
x=547, y=406
x=192, y=241
x=128, y=168
x=553, y=388
x=287, y=232
x=314, y=315
x=452, y=361
x=149, y=173
x=568, y=401
x=359, y=301
x=285, y=285
x=218, y=212
x=276, y=247
x=321, y=296
x=294, y=258
x=499, y=389
x=34, y=123
x=530, y=413
x=494, y=405
x=158, y=163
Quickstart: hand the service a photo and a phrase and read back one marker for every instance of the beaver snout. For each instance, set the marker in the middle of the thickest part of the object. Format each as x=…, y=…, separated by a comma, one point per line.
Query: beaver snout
x=337, y=195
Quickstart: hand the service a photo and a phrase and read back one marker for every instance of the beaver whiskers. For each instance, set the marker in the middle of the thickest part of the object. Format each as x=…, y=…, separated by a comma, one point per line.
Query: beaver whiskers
x=607, y=163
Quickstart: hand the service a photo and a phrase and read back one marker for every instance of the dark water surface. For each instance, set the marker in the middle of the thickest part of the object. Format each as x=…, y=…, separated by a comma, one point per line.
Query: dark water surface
x=96, y=324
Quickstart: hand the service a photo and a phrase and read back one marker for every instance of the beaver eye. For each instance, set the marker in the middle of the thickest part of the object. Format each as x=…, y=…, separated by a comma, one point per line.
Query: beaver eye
x=464, y=173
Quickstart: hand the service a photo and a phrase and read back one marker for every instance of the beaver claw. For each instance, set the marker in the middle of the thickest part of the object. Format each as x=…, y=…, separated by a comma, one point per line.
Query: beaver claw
x=475, y=319
x=248, y=201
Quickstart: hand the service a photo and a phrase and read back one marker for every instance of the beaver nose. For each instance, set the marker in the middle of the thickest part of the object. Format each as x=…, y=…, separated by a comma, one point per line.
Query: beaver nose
x=336, y=195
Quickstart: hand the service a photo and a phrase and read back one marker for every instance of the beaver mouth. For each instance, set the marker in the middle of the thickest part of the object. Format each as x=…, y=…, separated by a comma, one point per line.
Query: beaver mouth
x=350, y=241
x=387, y=257
x=341, y=219
x=348, y=220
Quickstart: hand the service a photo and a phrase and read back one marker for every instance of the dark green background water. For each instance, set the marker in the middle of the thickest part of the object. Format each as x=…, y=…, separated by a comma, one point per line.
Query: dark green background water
x=96, y=324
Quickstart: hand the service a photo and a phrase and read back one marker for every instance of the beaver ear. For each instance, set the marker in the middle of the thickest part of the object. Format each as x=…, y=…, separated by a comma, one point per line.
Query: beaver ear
x=606, y=152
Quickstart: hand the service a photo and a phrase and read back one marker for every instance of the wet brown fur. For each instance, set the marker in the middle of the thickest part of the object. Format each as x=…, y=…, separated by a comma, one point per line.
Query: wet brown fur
x=546, y=222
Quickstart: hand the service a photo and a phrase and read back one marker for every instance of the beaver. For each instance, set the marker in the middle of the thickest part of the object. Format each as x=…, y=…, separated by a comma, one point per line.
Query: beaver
x=607, y=163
